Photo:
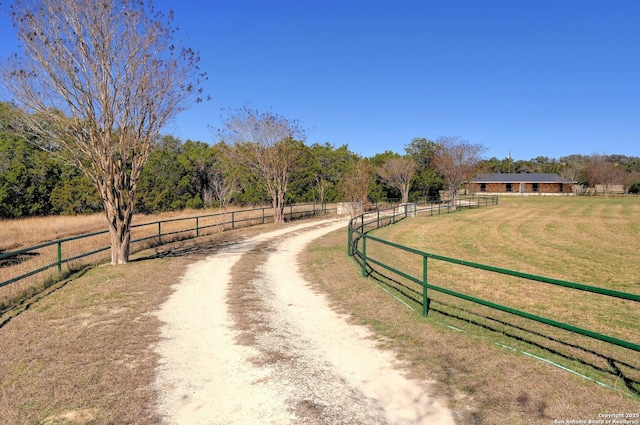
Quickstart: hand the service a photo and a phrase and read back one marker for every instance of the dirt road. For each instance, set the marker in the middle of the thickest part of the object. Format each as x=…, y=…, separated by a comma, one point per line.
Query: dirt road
x=246, y=341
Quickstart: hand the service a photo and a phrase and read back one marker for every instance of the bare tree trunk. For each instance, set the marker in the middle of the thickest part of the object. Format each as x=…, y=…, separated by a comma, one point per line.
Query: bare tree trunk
x=454, y=199
x=405, y=194
x=118, y=197
x=120, y=238
x=278, y=207
x=281, y=206
x=276, y=210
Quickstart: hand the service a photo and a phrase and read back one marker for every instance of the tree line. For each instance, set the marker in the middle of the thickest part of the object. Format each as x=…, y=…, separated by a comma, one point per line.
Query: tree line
x=36, y=181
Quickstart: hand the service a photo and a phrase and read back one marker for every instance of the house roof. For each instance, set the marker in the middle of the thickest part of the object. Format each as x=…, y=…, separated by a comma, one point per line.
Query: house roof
x=519, y=178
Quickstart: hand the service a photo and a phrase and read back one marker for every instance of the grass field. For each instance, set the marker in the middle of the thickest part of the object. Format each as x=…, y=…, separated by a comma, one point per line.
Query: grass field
x=509, y=370
x=584, y=240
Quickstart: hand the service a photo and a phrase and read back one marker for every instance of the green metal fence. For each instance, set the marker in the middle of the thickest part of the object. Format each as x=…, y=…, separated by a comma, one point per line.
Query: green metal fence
x=49, y=259
x=359, y=242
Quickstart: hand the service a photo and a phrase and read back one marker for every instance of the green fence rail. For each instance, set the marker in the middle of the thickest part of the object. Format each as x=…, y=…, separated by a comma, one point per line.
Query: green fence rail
x=55, y=255
x=358, y=239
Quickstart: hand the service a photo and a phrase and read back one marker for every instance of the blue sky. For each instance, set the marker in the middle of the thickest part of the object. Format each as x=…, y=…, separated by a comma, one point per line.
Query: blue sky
x=530, y=77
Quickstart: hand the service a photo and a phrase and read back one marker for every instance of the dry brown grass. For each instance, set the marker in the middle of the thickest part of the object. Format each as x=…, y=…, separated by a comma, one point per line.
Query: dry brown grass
x=83, y=351
x=20, y=234
x=457, y=343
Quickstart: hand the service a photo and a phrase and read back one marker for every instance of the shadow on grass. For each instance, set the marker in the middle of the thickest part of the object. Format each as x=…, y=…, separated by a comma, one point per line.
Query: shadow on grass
x=207, y=245
x=616, y=367
x=31, y=297
x=17, y=258
x=177, y=250
x=614, y=370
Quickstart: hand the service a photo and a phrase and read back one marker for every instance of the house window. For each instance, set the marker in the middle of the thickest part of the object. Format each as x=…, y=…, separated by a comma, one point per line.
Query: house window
x=483, y=187
x=535, y=187
x=509, y=187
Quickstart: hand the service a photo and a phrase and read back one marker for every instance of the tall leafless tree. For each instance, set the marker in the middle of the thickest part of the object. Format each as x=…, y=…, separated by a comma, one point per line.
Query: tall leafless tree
x=321, y=188
x=398, y=173
x=98, y=80
x=270, y=146
x=457, y=160
x=355, y=185
x=223, y=188
x=600, y=172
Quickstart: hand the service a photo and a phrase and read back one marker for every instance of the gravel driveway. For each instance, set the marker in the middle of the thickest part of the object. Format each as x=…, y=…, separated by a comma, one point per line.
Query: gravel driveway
x=246, y=341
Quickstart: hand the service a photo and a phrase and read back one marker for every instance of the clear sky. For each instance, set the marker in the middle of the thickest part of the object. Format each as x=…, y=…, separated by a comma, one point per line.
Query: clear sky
x=530, y=77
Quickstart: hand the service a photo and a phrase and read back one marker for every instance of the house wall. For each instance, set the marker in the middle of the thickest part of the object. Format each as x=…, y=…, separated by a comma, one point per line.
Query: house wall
x=549, y=188
x=528, y=188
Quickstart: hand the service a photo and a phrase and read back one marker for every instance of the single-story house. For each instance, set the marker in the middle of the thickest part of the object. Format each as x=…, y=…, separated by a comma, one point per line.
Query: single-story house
x=520, y=184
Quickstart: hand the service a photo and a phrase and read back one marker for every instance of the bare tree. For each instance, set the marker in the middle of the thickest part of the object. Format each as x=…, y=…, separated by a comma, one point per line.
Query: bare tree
x=398, y=173
x=600, y=172
x=321, y=188
x=356, y=185
x=457, y=160
x=223, y=188
x=98, y=80
x=270, y=146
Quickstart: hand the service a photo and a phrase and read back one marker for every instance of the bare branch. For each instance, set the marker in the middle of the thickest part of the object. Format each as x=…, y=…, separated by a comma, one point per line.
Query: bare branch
x=269, y=146
x=457, y=160
x=398, y=173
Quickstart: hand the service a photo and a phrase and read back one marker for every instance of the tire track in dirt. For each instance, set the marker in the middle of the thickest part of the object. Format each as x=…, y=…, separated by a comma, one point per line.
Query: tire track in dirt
x=247, y=341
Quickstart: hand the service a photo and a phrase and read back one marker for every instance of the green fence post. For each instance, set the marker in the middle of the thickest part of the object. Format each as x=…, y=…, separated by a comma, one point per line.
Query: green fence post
x=197, y=227
x=425, y=298
x=349, y=237
x=364, y=255
x=159, y=233
x=263, y=216
x=233, y=220
x=59, y=257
